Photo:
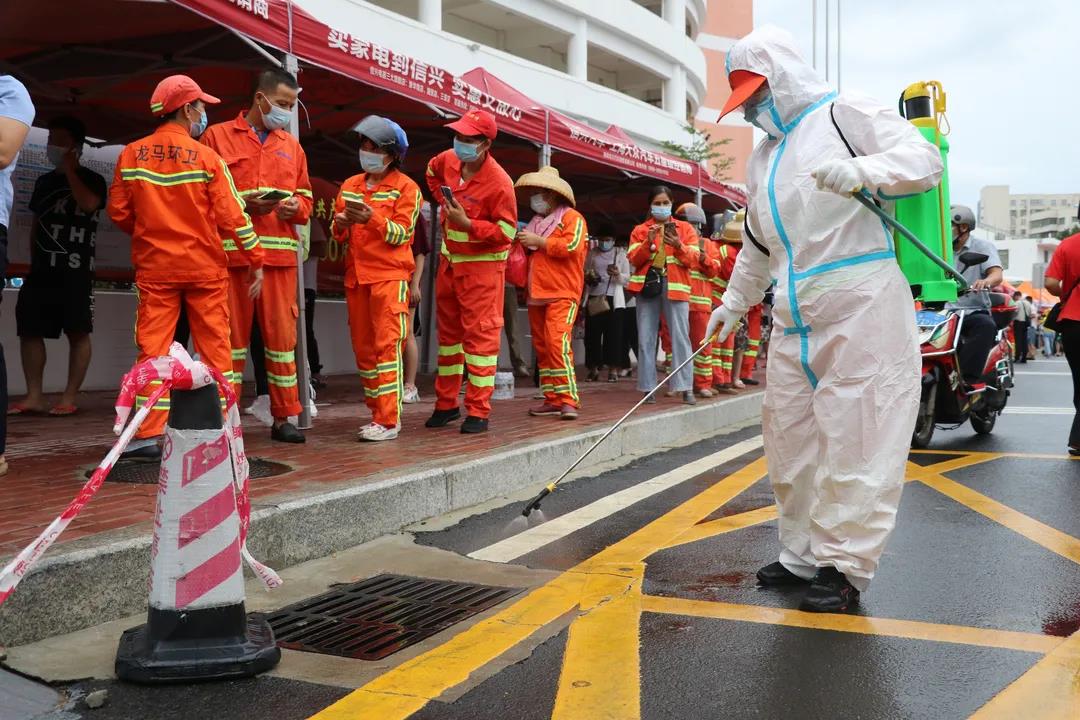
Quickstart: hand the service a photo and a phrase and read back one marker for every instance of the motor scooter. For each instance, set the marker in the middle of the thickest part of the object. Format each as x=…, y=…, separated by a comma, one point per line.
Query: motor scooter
x=946, y=399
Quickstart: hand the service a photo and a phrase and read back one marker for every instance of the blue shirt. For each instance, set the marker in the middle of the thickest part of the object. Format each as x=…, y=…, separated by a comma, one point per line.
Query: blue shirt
x=15, y=104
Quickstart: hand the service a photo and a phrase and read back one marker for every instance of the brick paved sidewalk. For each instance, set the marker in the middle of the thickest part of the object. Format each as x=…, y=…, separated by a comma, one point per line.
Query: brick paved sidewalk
x=49, y=456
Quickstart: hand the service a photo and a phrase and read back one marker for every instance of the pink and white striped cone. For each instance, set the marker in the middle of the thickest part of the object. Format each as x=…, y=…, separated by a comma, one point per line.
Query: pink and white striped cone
x=177, y=371
x=197, y=626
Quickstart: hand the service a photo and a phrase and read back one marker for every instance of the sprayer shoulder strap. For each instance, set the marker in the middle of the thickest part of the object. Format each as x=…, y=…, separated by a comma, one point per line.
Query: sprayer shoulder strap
x=851, y=150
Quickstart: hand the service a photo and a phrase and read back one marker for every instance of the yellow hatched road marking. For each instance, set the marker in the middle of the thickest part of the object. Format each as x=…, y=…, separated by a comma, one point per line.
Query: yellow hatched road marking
x=407, y=688
x=1048, y=691
x=713, y=528
x=910, y=629
x=601, y=665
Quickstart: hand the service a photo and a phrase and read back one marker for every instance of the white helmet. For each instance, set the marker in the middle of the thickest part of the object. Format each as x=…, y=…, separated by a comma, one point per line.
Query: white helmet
x=962, y=215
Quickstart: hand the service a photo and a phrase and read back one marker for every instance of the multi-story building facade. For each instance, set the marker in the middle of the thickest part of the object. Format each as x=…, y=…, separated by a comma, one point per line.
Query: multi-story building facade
x=649, y=66
x=1027, y=215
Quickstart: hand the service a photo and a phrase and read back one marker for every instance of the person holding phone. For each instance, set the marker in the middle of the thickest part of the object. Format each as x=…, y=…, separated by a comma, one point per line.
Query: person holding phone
x=479, y=223
x=557, y=237
x=177, y=205
x=661, y=255
x=270, y=171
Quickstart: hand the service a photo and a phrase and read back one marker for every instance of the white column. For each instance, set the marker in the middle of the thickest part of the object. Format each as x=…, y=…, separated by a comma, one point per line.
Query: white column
x=675, y=14
x=431, y=13
x=675, y=93
x=577, y=51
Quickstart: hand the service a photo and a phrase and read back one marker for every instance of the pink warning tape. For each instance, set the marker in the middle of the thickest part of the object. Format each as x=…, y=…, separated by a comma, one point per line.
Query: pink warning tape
x=176, y=371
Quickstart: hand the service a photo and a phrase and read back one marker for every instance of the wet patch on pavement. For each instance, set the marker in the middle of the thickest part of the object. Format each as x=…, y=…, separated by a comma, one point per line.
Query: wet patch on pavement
x=695, y=667
x=944, y=564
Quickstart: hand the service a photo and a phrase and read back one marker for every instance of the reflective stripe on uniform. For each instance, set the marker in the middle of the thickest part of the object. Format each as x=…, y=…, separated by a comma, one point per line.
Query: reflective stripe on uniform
x=166, y=179
x=239, y=353
x=483, y=257
x=481, y=380
x=446, y=370
x=281, y=380
x=510, y=231
x=678, y=287
x=280, y=356
x=445, y=350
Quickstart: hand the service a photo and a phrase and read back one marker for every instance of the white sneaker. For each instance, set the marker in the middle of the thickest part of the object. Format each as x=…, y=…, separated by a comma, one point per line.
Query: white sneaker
x=410, y=396
x=260, y=410
x=361, y=431
x=376, y=433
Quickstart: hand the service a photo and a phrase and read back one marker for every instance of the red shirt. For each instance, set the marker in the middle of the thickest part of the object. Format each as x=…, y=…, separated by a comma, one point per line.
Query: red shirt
x=1065, y=266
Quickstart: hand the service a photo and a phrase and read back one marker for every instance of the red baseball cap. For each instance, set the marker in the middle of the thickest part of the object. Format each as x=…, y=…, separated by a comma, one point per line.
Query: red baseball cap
x=476, y=122
x=743, y=84
x=175, y=91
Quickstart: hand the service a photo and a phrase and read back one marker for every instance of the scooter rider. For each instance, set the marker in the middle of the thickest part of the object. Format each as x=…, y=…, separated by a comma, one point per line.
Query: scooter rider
x=978, y=330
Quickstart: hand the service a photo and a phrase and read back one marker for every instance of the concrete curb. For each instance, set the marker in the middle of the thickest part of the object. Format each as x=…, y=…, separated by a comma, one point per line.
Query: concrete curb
x=107, y=578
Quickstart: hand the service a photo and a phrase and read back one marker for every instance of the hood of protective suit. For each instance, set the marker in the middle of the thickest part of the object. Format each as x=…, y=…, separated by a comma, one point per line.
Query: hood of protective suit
x=771, y=52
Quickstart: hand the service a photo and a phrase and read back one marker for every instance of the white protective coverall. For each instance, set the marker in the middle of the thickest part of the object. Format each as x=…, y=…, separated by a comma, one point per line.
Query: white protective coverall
x=843, y=373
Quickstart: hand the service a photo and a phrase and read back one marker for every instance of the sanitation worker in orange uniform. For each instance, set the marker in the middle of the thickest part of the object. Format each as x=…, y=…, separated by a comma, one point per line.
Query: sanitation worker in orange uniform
x=724, y=373
x=705, y=265
x=176, y=199
x=558, y=239
x=375, y=216
x=270, y=171
x=479, y=221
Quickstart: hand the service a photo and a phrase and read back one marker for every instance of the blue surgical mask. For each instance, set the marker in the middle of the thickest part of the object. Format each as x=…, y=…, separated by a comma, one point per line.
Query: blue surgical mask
x=466, y=151
x=661, y=212
x=761, y=116
x=277, y=118
x=606, y=245
x=199, y=128
x=372, y=162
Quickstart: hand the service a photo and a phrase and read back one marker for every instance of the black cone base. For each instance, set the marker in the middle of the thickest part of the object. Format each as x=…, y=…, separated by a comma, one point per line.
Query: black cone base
x=185, y=657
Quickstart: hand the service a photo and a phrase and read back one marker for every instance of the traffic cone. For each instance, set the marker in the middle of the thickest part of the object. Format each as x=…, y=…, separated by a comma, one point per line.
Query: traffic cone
x=197, y=628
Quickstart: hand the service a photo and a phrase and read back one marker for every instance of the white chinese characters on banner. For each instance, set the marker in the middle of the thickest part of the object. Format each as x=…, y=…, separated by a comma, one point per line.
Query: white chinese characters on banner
x=419, y=77
x=632, y=154
x=259, y=8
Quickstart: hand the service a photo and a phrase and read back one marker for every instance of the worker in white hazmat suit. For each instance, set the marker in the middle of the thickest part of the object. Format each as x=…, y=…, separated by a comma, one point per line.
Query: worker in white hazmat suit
x=843, y=373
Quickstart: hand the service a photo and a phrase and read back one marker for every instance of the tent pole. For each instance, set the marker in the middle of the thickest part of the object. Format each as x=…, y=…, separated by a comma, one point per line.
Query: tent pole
x=303, y=384
x=267, y=54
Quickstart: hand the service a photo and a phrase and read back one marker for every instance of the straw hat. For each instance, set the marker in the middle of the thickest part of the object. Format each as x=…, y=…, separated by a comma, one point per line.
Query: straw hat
x=547, y=178
x=734, y=229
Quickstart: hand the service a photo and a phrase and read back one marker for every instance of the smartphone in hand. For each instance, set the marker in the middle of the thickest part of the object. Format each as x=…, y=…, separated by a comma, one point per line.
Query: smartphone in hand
x=274, y=195
x=448, y=194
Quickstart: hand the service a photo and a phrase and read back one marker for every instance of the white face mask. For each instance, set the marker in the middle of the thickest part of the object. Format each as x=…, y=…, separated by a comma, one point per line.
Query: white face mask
x=606, y=245
x=372, y=162
x=276, y=117
x=539, y=205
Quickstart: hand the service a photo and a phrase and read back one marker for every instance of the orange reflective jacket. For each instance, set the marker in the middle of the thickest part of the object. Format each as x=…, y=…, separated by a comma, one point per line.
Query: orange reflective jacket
x=256, y=167
x=176, y=199
x=489, y=201
x=557, y=271
x=725, y=256
x=678, y=262
x=707, y=265
x=381, y=248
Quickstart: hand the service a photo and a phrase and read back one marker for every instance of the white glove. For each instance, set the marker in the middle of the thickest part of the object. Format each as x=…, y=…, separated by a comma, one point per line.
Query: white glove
x=724, y=318
x=838, y=176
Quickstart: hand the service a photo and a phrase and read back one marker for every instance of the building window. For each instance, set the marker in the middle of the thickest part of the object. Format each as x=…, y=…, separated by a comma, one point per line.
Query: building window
x=1012, y=203
x=1004, y=255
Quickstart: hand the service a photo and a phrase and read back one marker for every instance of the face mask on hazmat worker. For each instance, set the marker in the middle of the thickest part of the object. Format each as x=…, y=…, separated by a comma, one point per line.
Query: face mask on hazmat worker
x=844, y=368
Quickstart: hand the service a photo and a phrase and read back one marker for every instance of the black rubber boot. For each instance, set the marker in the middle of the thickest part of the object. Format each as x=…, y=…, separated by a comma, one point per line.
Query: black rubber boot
x=776, y=574
x=440, y=418
x=829, y=592
x=474, y=425
x=286, y=432
x=148, y=454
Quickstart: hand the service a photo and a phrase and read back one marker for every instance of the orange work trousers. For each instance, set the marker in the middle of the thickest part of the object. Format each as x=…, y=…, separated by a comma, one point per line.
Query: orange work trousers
x=469, y=312
x=378, y=323
x=723, y=355
x=157, y=310
x=753, y=330
x=277, y=320
x=552, y=327
x=703, y=362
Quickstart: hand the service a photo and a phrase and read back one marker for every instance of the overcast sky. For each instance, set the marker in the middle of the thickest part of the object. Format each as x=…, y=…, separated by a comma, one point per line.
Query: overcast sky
x=1010, y=71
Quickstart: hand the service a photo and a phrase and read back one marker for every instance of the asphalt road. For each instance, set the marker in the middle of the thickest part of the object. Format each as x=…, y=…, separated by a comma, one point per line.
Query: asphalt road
x=656, y=613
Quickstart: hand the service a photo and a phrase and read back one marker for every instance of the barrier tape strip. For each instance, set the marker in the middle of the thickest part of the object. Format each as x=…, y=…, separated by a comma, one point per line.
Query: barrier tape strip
x=176, y=371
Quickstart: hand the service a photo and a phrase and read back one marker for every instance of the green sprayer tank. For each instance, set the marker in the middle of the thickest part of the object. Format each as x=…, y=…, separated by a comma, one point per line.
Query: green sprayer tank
x=927, y=214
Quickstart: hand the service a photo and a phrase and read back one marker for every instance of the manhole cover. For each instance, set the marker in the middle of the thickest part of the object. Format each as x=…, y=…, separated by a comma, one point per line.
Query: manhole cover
x=377, y=617
x=147, y=473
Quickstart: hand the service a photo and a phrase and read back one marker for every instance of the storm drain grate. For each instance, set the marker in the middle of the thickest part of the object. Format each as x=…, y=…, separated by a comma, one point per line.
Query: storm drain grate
x=377, y=617
x=143, y=473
